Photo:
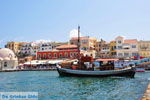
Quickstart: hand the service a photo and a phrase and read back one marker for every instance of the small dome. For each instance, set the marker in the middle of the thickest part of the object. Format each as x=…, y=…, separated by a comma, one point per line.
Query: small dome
x=1, y=58
x=6, y=53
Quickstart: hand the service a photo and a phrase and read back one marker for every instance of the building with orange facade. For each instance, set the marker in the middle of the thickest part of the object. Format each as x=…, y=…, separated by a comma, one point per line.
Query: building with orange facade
x=86, y=43
x=64, y=51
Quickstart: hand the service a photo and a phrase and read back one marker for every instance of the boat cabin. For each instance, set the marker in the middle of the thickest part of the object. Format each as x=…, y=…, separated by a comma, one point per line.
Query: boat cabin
x=105, y=64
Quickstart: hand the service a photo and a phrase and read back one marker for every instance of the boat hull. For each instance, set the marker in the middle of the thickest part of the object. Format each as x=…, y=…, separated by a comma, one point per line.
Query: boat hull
x=130, y=72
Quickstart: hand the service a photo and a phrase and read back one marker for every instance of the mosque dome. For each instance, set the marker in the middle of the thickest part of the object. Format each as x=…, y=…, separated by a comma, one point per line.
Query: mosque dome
x=1, y=58
x=7, y=54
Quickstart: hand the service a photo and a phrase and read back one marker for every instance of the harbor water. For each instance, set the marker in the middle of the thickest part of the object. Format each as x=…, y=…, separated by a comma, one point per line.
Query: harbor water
x=50, y=86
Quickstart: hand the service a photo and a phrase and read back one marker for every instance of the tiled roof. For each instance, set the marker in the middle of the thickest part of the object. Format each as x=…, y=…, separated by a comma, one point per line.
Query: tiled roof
x=131, y=41
x=66, y=46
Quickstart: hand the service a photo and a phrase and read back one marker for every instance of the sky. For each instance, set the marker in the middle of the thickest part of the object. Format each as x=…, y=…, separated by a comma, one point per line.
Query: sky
x=55, y=20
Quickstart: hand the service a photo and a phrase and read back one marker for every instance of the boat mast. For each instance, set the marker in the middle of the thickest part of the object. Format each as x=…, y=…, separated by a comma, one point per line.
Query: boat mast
x=78, y=43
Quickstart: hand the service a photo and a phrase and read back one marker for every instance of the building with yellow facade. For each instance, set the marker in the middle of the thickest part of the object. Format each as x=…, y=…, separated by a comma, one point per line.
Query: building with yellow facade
x=14, y=46
x=113, y=51
x=144, y=48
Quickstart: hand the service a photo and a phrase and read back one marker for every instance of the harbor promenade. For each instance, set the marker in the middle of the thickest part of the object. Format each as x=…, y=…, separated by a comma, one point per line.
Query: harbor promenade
x=146, y=95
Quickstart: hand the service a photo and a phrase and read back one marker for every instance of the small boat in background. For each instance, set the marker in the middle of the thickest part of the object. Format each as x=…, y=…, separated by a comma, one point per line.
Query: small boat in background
x=139, y=70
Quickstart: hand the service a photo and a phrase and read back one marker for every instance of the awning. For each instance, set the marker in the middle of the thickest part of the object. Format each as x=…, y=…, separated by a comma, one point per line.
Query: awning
x=34, y=62
x=107, y=59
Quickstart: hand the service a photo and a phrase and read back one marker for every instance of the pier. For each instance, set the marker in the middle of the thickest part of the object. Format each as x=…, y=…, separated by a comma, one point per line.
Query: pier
x=146, y=95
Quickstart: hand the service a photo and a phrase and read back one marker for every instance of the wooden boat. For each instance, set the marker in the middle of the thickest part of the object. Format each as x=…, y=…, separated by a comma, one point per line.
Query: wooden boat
x=103, y=70
x=127, y=72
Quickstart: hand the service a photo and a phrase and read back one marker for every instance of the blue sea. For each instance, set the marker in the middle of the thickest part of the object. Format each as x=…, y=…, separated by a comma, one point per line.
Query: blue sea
x=50, y=86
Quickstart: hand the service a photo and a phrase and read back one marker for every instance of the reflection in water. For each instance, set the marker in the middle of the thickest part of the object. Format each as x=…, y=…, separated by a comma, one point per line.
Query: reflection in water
x=52, y=87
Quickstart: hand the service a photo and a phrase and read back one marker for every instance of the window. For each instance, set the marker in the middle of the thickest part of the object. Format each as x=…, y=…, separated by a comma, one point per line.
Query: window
x=126, y=54
x=119, y=54
x=119, y=47
x=55, y=55
x=39, y=56
x=71, y=55
x=84, y=48
x=76, y=54
x=134, y=54
x=119, y=41
x=44, y=56
x=66, y=54
x=49, y=55
x=84, y=41
x=133, y=46
x=5, y=64
x=60, y=55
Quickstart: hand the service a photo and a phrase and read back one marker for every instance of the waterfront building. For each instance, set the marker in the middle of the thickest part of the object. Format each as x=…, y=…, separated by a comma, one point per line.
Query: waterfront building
x=64, y=51
x=8, y=60
x=144, y=48
x=49, y=46
x=14, y=46
x=126, y=48
x=102, y=49
x=29, y=49
x=87, y=45
x=46, y=46
x=113, y=52
x=105, y=51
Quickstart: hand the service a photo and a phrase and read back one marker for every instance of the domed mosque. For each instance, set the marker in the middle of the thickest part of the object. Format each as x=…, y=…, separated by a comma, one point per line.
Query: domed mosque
x=8, y=60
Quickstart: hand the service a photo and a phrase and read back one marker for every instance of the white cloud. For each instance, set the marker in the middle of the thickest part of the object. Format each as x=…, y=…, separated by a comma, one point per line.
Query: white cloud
x=74, y=33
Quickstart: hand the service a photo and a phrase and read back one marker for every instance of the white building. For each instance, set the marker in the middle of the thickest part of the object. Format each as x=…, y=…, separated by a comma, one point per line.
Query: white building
x=8, y=60
x=126, y=47
x=30, y=48
x=46, y=46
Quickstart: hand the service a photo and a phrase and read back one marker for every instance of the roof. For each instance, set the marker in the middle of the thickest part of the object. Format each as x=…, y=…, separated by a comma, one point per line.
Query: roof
x=130, y=41
x=107, y=59
x=66, y=46
x=7, y=54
